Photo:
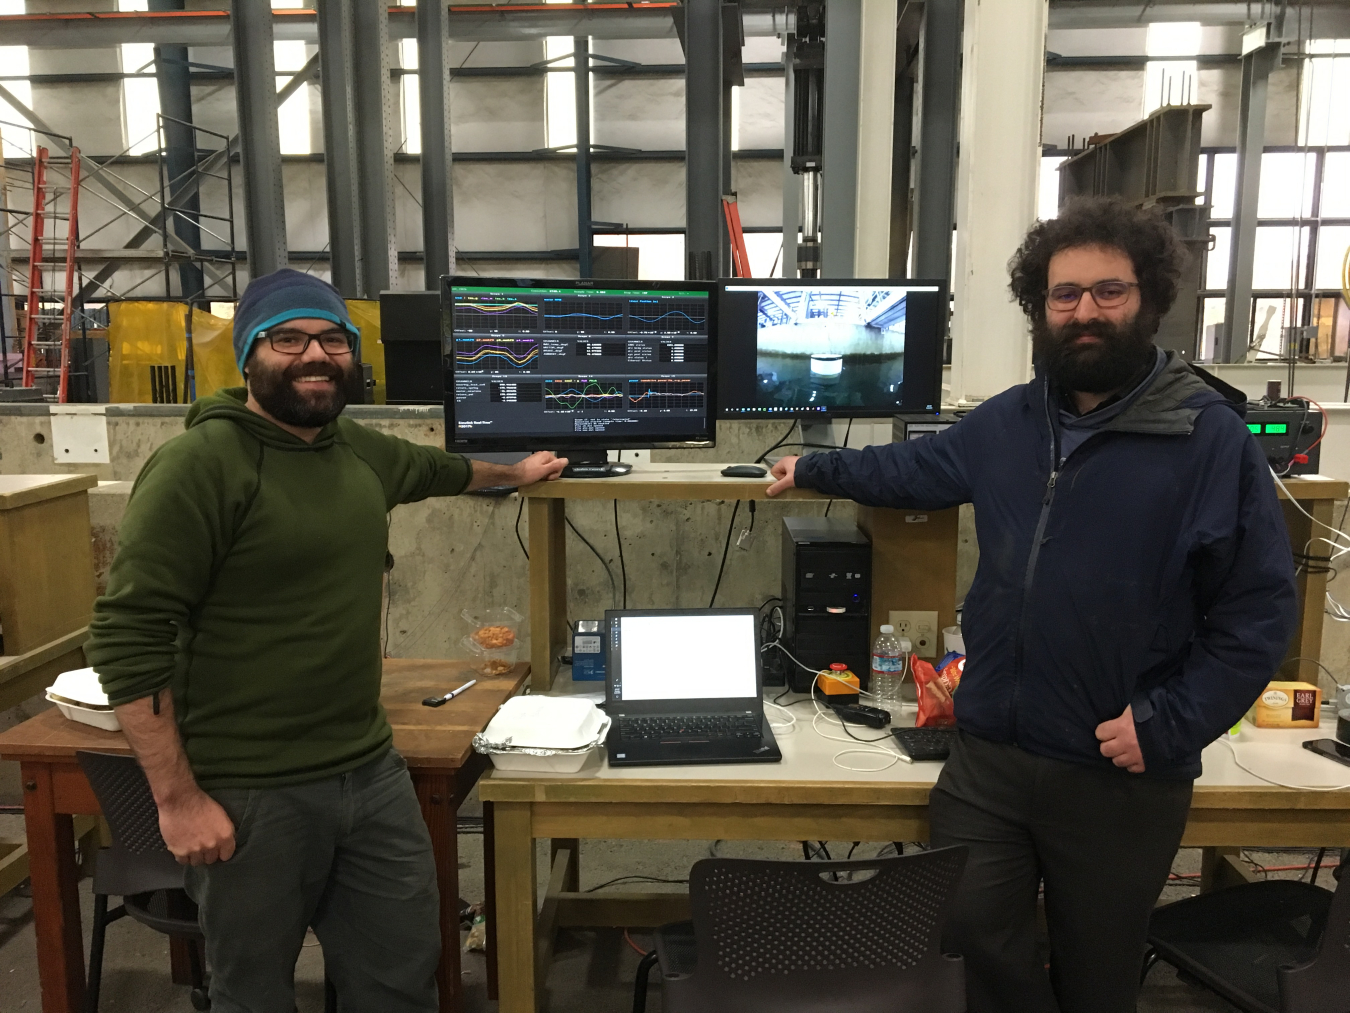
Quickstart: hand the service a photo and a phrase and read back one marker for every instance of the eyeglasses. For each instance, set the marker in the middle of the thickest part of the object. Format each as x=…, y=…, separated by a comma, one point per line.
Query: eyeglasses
x=1105, y=294
x=293, y=342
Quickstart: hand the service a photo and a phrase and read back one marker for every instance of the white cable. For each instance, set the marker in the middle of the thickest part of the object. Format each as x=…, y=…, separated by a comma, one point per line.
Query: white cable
x=791, y=726
x=856, y=746
x=1299, y=508
x=1279, y=784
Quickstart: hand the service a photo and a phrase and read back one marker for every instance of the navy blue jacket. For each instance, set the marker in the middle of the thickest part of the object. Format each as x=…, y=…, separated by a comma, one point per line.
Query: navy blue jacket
x=1151, y=567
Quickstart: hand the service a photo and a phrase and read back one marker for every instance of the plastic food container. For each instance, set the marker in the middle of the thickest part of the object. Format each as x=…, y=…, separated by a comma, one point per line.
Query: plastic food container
x=79, y=697
x=493, y=642
x=952, y=640
x=543, y=734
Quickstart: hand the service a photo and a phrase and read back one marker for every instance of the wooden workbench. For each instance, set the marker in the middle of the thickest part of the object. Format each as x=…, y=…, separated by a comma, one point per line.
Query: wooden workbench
x=436, y=742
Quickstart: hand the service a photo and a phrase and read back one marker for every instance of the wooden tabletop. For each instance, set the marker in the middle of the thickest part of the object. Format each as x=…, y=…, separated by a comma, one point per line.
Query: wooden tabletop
x=21, y=490
x=664, y=481
x=426, y=736
x=1314, y=487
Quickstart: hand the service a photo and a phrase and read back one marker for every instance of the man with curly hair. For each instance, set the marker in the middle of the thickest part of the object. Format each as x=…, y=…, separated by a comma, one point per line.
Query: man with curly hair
x=1135, y=594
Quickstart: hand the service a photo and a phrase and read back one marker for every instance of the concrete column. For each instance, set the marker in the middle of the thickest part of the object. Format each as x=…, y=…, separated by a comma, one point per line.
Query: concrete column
x=935, y=177
x=255, y=90
x=433, y=91
x=839, y=172
x=876, y=127
x=336, y=42
x=1256, y=67
x=1004, y=63
x=376, y=114
x=581, y=73
x=703, y=138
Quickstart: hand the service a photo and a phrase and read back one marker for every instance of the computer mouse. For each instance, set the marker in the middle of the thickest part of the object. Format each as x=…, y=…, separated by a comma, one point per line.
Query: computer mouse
x=744, y=471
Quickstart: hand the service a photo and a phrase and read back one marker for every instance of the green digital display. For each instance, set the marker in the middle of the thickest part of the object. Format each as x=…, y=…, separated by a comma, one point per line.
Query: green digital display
x=1254, y=427
x=1278, y=428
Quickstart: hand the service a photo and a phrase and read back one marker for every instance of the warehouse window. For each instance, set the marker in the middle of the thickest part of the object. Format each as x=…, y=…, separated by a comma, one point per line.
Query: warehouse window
x=1324, y=116
x=140, y=95
x=408, y=93
x=15, y=60
x=1168, y=80
x=293, y=115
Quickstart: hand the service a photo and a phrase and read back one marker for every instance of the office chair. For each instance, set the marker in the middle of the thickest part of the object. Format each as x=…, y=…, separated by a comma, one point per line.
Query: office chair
x=141, y=870
x=813, y=937
x=1278, y=946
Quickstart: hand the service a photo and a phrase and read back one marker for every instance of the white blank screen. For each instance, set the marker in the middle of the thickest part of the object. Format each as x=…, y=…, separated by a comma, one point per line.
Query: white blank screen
x=687, y=657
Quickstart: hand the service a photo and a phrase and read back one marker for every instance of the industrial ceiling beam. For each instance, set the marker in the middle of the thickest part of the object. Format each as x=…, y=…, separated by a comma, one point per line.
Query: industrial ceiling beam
x=433, y=96
x=337, y=41
x=703, y=139
x=255, y=93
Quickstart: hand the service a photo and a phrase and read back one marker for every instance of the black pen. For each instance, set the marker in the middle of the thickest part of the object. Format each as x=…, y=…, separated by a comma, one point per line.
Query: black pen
x=436, y=701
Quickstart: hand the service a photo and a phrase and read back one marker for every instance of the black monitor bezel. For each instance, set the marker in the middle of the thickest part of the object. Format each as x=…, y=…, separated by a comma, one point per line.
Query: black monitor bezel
x=726, y=413
x=487, y=444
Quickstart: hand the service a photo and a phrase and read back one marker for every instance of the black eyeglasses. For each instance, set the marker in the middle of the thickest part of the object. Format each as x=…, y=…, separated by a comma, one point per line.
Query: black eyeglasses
x=292, y=342
x=1106, y=294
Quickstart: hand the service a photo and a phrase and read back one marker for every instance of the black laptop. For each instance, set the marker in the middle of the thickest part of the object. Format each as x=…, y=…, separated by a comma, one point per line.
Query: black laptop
x=686, y=686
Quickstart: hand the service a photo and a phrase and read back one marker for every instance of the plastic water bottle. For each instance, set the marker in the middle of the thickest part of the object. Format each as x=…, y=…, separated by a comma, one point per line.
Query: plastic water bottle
x=887, y=666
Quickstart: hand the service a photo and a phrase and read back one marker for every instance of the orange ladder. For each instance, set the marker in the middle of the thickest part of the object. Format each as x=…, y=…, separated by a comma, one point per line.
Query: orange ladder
x=51, y=275
x=740, y=259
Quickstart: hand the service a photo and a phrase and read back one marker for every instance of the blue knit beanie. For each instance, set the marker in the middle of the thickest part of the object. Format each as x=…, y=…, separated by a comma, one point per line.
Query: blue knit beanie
x=286, y=295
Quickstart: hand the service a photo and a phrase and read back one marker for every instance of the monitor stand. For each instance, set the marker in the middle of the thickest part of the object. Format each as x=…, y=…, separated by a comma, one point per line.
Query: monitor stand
x=592, y=464
x=819, y=433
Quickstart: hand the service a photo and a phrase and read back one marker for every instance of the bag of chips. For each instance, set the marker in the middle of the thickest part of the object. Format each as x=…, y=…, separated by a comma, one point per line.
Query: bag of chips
x=936, y=687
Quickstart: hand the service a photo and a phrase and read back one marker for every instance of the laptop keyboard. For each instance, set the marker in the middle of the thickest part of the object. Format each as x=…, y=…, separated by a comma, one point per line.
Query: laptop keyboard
x=689, y=727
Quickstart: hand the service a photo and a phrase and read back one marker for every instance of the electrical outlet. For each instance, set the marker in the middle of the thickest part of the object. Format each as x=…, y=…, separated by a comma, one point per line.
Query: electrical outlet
x=921, y=628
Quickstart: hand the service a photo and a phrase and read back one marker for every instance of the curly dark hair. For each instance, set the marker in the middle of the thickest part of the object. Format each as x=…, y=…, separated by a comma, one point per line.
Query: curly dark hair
x=1144, y=236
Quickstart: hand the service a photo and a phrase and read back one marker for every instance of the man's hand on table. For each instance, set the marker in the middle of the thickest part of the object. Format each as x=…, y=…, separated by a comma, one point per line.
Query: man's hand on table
x=784, y=471
x=197, y=829
x=1120, y=744
x=539, y=467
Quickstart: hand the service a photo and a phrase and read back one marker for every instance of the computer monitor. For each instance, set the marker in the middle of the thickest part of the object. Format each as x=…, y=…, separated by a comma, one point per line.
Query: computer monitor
x=578, y=367
x=816, y=349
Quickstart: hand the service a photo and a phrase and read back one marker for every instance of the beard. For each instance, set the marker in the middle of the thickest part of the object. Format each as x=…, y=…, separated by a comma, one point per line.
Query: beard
x=276, y=392
x=1100, y=368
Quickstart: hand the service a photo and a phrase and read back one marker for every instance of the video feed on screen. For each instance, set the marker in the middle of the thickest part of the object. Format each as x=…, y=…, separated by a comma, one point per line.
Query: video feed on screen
x=843, y=349
x=829, y=346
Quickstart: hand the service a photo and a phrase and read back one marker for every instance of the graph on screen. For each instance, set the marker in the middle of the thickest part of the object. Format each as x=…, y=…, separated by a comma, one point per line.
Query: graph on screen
x=582, y=315
x=496, y=314
x=581, y=395
x=668, y=316
x=496, y=353
x=664, y=395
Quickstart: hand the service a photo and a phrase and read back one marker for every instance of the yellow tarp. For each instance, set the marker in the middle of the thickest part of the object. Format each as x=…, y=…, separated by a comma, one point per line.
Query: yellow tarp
x=142, y=335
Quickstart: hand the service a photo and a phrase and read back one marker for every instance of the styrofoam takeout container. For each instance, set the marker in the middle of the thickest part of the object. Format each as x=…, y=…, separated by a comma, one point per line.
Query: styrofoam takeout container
x=80, y=698
x=543, y=734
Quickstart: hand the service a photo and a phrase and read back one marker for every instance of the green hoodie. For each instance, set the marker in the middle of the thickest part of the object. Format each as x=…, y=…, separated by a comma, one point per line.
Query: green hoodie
x=248, y=579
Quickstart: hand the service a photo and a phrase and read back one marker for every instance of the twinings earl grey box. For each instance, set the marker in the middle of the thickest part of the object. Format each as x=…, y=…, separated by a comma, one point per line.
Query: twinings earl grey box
x=1287, y=705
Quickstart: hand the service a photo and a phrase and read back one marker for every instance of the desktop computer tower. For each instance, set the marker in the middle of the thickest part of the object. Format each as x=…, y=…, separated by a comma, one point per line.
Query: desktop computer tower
x=827, y=597
x=410, y=330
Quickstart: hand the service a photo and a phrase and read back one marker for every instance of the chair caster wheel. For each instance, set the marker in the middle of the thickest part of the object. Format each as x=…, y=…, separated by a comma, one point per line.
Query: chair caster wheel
x=200, y=1000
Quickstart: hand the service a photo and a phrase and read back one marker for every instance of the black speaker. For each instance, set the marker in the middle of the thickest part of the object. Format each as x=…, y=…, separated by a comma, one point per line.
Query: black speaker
x=410, y=330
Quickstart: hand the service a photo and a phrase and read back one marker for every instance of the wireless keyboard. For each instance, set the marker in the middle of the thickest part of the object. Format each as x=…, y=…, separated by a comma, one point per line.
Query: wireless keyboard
x=925, y=743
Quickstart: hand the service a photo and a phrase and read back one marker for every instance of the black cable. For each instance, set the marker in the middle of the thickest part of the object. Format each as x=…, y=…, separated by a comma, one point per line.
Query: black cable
x=844, y=724
x=519, y=511
x=725, y=549
x=622, y=879
x=613, y=590
x=623, y=568
x=791, y=426
x=813, y=446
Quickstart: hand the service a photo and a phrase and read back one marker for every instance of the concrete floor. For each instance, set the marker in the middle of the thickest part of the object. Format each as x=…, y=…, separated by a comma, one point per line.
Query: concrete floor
x=593, y=971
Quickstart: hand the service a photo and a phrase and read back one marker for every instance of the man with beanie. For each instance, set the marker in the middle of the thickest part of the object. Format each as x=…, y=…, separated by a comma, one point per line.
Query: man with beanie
x=239, y=644
x=1135, y=594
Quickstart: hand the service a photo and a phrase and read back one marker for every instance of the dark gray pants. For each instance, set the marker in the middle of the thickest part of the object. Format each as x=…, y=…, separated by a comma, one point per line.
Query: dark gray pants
x=1102, y=842
x=348, y=855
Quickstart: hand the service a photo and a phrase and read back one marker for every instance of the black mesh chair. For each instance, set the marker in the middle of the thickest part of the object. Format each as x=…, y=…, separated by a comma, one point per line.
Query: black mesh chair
x=1278, y=946
x=139, y=868
x=813, y=937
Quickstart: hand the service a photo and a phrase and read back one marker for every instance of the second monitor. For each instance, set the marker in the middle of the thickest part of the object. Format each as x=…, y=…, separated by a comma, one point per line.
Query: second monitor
x=817, y=349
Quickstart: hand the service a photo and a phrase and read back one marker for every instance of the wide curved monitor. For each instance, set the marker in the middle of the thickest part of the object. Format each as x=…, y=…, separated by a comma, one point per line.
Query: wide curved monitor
x=816, y=349
x=568, y=365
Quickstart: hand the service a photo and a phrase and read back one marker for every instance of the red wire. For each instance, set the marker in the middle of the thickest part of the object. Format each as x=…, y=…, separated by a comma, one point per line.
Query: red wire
x=629, y=940
x=1325, y=421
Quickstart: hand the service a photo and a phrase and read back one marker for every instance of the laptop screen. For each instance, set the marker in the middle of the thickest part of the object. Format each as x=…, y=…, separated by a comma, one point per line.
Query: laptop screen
x=683, y=657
